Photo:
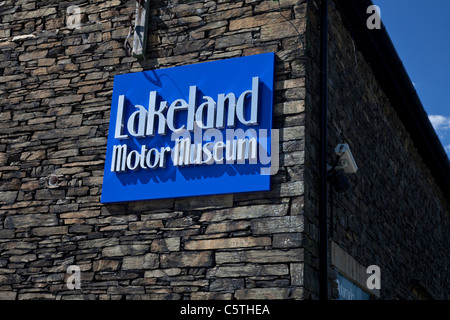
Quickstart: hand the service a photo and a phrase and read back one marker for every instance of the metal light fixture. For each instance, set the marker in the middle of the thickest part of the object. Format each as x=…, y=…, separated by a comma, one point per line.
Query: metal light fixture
x=343, y=164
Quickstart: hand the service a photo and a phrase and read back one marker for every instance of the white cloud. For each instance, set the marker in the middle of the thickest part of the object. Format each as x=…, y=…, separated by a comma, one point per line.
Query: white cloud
x=440, y=122
x=447, y=148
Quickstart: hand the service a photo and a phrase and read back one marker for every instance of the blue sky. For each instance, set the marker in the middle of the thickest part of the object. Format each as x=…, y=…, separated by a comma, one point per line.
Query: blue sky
x=420, y=31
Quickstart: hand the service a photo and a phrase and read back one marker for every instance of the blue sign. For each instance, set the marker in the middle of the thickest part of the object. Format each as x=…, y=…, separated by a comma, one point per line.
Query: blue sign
x=192, y=130
x=349, y=291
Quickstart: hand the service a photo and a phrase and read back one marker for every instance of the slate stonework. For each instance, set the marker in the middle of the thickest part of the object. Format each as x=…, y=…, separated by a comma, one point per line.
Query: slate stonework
x=56, y=86
x=55, y=96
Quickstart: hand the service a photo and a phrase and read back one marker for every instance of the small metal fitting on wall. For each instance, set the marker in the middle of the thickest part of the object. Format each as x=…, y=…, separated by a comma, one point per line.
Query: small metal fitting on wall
x=140, y=28
x=53, y=181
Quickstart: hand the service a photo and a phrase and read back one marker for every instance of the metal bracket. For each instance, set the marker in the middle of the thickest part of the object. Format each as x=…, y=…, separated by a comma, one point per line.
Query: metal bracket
x=140, y=28
x=126, y=44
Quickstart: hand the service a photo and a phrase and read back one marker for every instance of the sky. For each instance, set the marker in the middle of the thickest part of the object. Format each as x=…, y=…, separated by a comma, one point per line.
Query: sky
x=420, y=31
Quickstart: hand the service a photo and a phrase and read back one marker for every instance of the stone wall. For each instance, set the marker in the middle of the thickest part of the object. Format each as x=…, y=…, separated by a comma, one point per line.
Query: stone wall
x=55, y=94
x=395, y=216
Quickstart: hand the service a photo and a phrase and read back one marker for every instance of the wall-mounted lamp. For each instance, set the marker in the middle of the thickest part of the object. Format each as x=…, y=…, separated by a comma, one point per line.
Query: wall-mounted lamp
x=345, y=159
x=344, y=163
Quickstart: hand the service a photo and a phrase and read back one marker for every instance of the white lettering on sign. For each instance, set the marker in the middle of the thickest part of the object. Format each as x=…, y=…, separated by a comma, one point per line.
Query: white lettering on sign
x=208, y=145
x=186, y=151
x=142, y=122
